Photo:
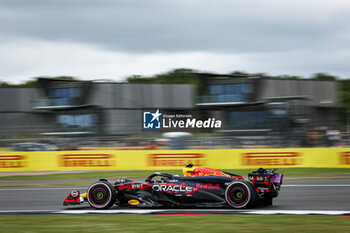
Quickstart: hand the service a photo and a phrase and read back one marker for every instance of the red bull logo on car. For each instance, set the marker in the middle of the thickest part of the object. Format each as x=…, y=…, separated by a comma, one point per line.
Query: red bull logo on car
x=208, y=186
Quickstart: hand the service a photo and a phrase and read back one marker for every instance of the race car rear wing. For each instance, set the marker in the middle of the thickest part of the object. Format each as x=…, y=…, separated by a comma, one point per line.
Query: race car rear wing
x=266, y=179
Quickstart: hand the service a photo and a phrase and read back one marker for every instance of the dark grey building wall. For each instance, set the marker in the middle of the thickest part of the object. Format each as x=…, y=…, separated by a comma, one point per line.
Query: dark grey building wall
x=101, y=94
x=17, y=117
x=17, y=99
x=129, y=96
x=120, y=104
x=321, y=93
x=123, y=103
x=24, y=123
x=320, y=109
x=121, y=121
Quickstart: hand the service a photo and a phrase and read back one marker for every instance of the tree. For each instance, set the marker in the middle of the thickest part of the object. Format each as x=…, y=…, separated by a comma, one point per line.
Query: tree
x=174, y=76
x=33, y=82
x=324, y=76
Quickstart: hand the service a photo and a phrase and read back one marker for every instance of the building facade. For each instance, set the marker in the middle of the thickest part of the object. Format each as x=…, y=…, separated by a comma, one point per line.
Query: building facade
x=246, y=105
x=64, y=107
x=256, y=105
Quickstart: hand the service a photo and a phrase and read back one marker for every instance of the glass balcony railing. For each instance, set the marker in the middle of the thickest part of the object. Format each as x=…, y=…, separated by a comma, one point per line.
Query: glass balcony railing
x=246, y=126
x=222, y=98
x=58, y=102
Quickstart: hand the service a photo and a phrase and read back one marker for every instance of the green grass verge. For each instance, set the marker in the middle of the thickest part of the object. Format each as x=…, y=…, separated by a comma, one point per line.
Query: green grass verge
x=148, y=223
x=143, y=173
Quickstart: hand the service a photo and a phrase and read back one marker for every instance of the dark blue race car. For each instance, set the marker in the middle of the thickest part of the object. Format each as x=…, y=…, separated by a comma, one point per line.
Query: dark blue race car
x=199, y=187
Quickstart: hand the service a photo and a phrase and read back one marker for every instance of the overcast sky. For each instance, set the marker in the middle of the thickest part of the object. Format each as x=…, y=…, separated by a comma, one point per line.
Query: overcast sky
x=104, y=39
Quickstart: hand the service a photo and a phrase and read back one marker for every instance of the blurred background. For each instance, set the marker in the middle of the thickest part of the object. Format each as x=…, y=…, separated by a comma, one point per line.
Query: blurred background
x=257, y=111
x=181, y=58
x=77, y=76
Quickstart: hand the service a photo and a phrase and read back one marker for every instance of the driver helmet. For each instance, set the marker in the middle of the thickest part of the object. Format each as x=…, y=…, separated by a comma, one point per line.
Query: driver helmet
x=188, y=169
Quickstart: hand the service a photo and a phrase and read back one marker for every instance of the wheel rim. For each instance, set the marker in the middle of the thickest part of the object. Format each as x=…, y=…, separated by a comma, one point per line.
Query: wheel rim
x=238, y=195
x=99, y=195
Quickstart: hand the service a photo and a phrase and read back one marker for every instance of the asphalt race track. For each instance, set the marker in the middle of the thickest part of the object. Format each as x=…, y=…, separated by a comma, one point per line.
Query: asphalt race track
x=300, y=195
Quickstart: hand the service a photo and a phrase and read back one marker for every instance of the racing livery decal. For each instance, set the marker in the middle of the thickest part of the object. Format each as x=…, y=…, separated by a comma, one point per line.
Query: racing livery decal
x=173, y=188
x=207, y=186
x=133, y=186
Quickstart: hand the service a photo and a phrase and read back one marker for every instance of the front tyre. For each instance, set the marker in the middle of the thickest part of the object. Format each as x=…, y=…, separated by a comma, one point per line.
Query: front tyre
x=240, y=194
x=101, y=195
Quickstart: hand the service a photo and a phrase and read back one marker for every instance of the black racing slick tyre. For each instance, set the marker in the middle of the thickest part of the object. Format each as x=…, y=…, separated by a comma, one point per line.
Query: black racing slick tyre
x=101, y=195
x=240, y=194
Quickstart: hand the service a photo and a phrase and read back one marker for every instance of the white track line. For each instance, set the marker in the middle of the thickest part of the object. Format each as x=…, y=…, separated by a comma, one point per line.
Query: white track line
x=26, y=211
x=299, y=212
x=107, y=211
x=316, y=185
x=179, y=211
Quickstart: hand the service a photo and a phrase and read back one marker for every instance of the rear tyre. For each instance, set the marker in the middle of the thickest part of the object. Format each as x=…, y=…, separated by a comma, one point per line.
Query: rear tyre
x=240, y=194
x=101, y=195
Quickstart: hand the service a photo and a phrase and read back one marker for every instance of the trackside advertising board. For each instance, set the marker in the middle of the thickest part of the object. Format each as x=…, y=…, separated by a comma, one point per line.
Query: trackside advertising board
x=174, y=159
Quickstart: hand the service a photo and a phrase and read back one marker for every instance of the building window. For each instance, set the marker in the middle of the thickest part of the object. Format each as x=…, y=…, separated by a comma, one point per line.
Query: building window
x=248, y=119
x=64, y=96
x=77, y=122
x=71, y=92
x=237, y=92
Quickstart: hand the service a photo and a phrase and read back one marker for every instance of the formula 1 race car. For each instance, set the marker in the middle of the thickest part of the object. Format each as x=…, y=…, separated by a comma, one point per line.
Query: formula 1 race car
x=199, y=187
